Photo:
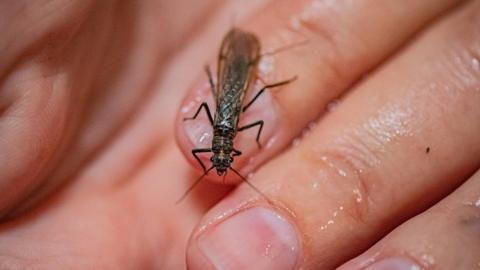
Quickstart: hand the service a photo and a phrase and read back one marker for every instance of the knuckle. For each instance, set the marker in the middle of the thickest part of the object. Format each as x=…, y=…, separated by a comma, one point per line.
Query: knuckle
x=349, y=168
x=457, y=65
x=323, y=33
x=464, y=53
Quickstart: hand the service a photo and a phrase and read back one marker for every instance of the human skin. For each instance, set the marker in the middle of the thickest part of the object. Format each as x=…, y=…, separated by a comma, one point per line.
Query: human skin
x=95, y=152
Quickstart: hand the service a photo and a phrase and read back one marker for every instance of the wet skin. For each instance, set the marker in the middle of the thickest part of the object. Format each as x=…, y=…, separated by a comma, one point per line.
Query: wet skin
x=91, y=168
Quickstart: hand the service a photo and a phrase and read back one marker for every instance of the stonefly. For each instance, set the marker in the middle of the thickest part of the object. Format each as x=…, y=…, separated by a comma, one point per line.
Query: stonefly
x=237, y=65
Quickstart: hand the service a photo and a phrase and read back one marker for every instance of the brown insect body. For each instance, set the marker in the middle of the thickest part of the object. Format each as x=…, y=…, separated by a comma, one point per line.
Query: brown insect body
x=237, y=66
x=239, y=54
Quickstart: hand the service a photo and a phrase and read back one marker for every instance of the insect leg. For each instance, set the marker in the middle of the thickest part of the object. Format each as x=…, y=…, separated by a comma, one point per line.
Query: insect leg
x=265, y=88
x=258, y=123
x=204, y=105
x=236, y=152
x=201, y=150
x=210, y=80
x=224, y=175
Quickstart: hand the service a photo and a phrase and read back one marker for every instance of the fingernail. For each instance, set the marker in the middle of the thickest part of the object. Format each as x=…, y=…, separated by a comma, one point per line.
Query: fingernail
x=393, y=264
x=257, y=238
x=199, y=132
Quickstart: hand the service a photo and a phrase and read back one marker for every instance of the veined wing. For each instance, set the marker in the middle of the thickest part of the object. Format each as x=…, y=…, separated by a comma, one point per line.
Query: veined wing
x=237, y=59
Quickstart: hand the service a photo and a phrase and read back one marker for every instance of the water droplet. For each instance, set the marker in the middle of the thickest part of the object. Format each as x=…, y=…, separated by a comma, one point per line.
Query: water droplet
x=477, y=203
x=267, y=252
x=476, y=64
x=358, y=195
x=266, y=65
x=199, y=133
x=205, y=138
x=270, y=143
x=332, y=105
x=188, y=107
x=427, y=259
x=331, y=221
x=296, y=142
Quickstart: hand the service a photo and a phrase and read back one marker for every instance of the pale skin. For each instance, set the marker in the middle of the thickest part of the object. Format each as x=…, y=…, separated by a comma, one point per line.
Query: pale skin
x=95, y=152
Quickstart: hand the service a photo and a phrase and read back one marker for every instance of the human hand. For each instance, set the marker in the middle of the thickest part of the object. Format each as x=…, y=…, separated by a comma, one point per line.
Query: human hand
x=88, y=98
x=397, y=143
x=339, y=189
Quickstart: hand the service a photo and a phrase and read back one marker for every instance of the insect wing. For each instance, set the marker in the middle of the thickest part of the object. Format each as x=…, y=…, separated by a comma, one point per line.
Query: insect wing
x=237, y=60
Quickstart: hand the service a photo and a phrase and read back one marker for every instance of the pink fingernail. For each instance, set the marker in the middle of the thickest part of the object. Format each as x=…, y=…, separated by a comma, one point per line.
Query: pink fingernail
x=199, y=132
x=257, y=238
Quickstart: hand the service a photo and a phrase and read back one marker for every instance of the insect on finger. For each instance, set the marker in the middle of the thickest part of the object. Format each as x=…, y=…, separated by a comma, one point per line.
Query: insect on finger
x=237, y=66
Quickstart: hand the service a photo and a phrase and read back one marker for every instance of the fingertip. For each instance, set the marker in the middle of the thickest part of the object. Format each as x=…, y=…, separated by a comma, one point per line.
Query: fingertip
x=197, y=132
x=256, y=237
x=193, y=133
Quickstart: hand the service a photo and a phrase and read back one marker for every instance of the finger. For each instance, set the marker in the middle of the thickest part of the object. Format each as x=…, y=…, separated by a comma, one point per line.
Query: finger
x=365, y=168
x=131, y=225
x=66, y=90
x=35, y=103
x=345, y=40
x=444, y=237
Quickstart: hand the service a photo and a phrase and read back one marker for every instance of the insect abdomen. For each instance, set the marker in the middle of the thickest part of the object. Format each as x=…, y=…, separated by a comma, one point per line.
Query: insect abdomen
x=223, y=139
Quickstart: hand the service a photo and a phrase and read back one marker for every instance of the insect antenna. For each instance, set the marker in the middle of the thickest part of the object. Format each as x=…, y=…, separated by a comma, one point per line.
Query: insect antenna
x=193, y=186
x=224, y=175
x=284, y=48
x=252, y=186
